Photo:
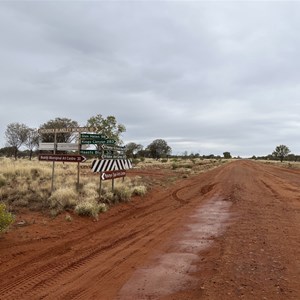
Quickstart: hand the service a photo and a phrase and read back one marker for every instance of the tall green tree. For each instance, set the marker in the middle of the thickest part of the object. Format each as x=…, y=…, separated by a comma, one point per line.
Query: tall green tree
x=16, y=135
x=281, y=152
x=56, y=124
x=159, y=148
x=227, y=155
x=107, y=126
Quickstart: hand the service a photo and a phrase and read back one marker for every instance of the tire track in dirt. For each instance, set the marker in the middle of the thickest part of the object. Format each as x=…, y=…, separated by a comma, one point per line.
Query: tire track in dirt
x=96, y=262
x=35, y=279
x=60, y=249
x=41, y=276
x=48, y=275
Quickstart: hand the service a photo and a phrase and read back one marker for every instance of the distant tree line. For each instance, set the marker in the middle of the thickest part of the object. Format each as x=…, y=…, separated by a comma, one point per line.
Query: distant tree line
x=19, y=135
x=21, y=140
x=281, y=152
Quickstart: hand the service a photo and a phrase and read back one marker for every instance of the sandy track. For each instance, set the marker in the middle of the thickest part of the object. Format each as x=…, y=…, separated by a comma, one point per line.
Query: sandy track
x=230, y=233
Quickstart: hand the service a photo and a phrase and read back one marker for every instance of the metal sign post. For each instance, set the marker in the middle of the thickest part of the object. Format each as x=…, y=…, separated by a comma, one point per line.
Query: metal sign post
x=100, y=186
x=63, y=147
x=53, y=165
x=78, y=164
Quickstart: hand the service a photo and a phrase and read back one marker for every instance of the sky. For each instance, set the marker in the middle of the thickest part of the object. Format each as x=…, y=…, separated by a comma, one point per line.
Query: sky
x=206, y=76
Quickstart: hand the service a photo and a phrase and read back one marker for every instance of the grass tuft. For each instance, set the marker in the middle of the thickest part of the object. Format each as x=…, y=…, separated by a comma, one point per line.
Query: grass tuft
x=139, y=190
x=63, y=198
x=90, y=208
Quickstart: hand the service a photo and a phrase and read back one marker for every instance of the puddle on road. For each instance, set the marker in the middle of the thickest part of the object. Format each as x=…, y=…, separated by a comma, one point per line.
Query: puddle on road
x=172, y=272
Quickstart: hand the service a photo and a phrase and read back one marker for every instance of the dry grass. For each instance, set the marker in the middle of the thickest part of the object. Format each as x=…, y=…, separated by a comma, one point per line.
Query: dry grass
x=25, y=183
x=284, y=164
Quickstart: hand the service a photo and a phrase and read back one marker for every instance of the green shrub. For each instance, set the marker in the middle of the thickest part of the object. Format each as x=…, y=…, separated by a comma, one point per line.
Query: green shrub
x=6, y=218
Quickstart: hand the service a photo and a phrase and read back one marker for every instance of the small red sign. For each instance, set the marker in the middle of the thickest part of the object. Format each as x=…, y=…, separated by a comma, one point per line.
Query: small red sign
x=62, y=158
x=113, y=174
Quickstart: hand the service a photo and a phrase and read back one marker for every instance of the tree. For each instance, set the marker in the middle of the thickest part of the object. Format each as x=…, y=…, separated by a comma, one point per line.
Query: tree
x=159, y=148
x=131, y=149
x=60, y=137
x=281, y=152
x=7, y=151
x=107, y=126
x=32, y=140
x=16, y=136
x=227, y=155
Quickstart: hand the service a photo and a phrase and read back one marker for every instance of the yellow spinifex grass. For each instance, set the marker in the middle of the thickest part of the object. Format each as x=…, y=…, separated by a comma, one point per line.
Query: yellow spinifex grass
x=25, y=183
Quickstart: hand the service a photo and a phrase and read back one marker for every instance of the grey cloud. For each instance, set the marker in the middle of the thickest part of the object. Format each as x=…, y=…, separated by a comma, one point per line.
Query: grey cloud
x=206, y=76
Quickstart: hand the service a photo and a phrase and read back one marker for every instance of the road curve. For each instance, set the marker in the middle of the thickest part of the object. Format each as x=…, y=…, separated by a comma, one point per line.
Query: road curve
x=230, y=233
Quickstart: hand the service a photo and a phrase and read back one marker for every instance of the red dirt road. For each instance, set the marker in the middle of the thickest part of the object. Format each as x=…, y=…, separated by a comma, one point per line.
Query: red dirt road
x=230, y=233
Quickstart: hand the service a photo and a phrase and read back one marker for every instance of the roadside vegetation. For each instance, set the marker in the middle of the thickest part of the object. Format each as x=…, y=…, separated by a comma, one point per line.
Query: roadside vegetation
x=27, y=184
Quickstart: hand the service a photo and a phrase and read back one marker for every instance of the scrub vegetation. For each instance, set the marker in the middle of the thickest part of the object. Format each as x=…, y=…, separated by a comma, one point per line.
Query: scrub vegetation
x=25, y=183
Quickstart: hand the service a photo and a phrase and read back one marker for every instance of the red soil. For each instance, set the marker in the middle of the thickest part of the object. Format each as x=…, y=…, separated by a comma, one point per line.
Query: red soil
x=230, y=233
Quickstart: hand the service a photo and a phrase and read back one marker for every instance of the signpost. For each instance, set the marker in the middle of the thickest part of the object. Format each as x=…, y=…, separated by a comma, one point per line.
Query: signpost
x=114, y=161
x=98, y=142
x=113, y=174
x=64, y=147
x=89, y=152
x=60, y=146
x=62, y=158
x=67, y=146
x=113, y=147
x=46, y=146
x=66, y=130
x=88, y=136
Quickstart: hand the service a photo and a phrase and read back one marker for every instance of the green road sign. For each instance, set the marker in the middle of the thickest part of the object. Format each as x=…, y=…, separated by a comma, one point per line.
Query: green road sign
x=91, y=152
x=113, y=148
x=98, y=142
x=87, y=136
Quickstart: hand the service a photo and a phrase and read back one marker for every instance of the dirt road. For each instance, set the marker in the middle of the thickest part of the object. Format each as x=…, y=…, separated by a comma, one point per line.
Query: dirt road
x=230, y=233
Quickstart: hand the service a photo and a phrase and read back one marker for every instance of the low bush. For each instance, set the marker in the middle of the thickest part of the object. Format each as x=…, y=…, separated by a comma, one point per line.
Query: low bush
x=139, y=190
x=90, y=208
x=6, y=218
x=63, y=198
x=122, y=193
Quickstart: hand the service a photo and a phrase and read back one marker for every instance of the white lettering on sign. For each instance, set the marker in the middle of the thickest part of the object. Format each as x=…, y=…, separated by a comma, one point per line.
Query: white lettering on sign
x=113, y=174
x=66, y=130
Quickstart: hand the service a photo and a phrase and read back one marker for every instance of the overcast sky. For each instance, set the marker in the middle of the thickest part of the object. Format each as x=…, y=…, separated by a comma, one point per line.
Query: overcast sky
x=206, y=76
